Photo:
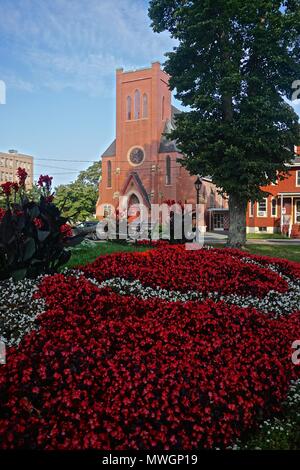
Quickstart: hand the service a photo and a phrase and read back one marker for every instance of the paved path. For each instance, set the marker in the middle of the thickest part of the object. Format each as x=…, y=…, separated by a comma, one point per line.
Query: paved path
x=214, y=238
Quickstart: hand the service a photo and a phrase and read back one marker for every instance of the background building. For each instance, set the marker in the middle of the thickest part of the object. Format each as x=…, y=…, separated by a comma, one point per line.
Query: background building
x=141, y=163
x=280, y=211
x=10, y=162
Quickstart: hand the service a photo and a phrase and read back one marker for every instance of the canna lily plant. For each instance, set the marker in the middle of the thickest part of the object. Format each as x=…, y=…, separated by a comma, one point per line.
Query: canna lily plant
x=34, y=237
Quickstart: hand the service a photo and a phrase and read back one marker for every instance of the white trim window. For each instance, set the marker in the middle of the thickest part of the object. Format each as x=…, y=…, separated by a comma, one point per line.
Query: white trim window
x=262, y=208
x=251, y=209
x=274, y=207
x=298, y=178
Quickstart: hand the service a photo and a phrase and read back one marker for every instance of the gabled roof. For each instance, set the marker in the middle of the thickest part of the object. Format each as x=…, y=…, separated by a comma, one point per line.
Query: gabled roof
x=174, y=111
x=138, y=183
x=166, y=145
x=111, y=150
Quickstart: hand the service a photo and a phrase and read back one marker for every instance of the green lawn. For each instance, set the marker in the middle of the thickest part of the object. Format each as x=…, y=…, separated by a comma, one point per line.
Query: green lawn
x=291, y=252
x=265, y=236
x=89, y=251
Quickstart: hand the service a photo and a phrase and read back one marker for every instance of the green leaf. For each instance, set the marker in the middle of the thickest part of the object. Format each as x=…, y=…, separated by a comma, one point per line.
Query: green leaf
x=19, y=274
x=29, y=250
x=42, y=235
x=34, y=212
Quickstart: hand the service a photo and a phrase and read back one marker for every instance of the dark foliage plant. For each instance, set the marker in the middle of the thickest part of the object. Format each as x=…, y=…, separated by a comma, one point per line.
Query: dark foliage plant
x=34, y=237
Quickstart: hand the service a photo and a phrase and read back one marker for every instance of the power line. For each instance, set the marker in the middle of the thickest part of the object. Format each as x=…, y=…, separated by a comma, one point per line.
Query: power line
x=56, y=167
x=63, y=160
x=65, y=173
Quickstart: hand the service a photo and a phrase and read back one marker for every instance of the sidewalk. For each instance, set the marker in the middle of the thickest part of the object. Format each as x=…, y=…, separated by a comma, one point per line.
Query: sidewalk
x=212, y=238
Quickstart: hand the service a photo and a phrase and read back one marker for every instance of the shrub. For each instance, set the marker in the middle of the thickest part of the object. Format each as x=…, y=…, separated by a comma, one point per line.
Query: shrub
x=33, y=235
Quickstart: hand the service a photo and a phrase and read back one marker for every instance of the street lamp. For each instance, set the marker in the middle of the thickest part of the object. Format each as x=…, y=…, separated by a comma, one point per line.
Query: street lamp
x=198, y=185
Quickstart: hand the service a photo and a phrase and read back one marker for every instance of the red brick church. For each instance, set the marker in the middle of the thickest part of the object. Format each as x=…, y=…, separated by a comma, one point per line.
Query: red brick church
x=141, y=163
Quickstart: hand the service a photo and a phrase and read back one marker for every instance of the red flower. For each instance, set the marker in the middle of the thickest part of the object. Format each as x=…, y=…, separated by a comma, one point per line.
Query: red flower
x=45, y=181
x=2, y=213
x=114, y=372
x=7, y=188
x=66, y=230
x=15, y=187
x=38, y=223
x=174, y=268
x=22, y=176
x=18, y=213
x=50, y=198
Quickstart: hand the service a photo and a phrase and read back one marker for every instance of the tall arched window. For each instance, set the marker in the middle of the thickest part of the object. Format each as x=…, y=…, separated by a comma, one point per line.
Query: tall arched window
x=128, y=111
x=168, y=170
x=145, y=105
x=163, y=108
x=109, y=174
x=137, y=104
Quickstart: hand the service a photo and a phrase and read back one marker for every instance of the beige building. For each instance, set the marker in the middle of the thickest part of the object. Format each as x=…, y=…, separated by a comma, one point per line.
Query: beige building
x=10, y=162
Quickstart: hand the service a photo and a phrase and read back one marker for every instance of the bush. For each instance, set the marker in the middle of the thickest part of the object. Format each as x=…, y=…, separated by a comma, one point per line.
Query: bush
x=33, y=235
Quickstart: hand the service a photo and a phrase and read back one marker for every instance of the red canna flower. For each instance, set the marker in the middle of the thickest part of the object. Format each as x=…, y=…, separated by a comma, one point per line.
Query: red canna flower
x=2, y=213
x=15, y=187
x=45, y=181
x=22, y=176
x=38, y=223
x=66, y=230
x=7, y=188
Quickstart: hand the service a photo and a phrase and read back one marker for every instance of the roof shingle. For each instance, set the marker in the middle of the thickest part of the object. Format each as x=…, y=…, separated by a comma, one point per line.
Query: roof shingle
x=111, y=150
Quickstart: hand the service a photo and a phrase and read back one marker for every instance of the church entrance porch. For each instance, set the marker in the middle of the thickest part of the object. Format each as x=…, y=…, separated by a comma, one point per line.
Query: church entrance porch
x=133, y=200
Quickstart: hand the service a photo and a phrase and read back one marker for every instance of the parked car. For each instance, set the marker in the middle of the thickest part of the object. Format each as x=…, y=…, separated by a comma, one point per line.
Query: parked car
x=87, y=228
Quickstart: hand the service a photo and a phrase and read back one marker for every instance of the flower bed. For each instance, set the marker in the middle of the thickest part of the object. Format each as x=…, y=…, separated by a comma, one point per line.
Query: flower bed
x=203, y=271
x=110, y=370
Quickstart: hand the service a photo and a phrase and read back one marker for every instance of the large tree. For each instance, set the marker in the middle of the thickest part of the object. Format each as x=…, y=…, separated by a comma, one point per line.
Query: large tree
x=234, y=66
x=91, y=175
x=77, y=200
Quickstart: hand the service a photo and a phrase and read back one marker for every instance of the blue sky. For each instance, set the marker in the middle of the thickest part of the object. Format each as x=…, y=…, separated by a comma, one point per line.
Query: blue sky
x=58, y=60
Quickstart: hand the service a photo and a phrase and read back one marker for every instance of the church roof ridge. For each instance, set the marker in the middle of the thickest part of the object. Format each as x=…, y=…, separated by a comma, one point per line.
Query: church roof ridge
x=111, y=150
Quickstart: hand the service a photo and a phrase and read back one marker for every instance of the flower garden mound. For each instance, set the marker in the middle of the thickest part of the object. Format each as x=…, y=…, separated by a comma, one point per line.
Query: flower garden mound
x=175, y=268
x=110, y=371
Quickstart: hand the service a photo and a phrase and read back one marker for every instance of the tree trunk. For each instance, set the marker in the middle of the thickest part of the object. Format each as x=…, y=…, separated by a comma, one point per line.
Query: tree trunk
x=237, y=215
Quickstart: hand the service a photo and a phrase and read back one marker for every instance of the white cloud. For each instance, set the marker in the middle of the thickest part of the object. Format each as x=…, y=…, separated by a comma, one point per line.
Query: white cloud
x=78, y=44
